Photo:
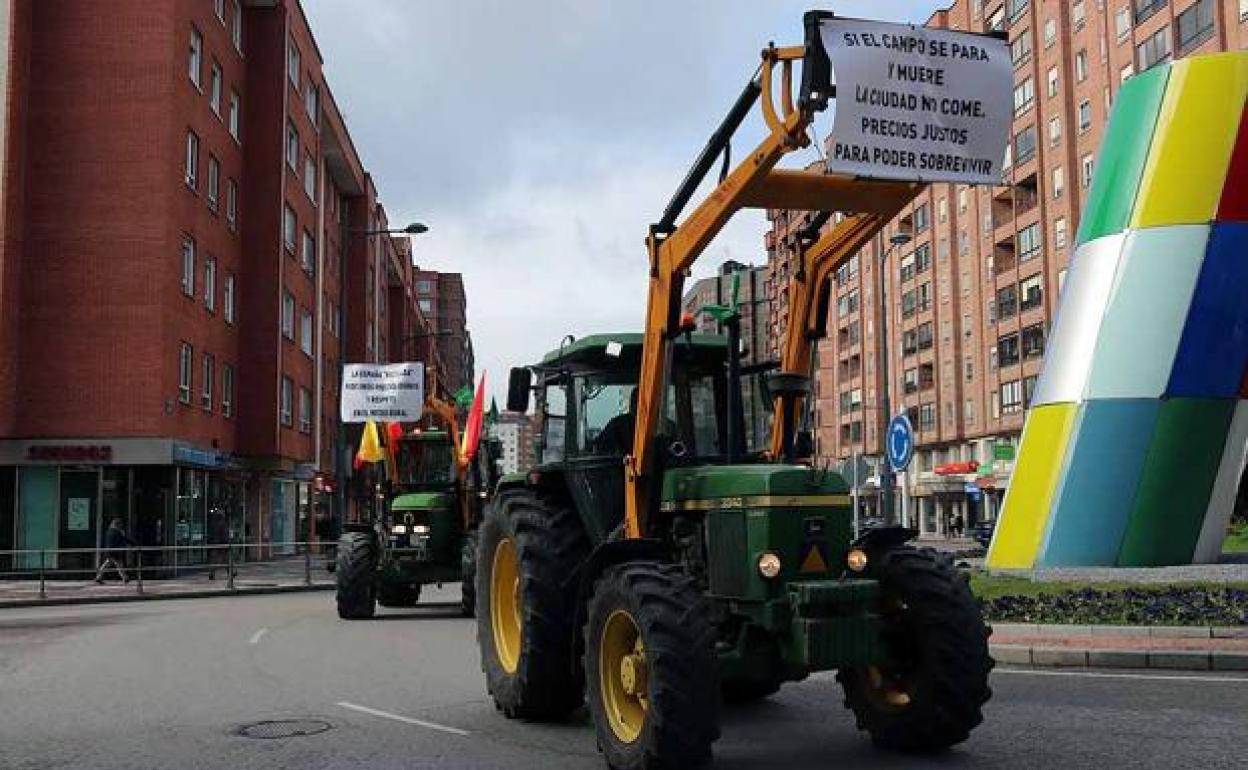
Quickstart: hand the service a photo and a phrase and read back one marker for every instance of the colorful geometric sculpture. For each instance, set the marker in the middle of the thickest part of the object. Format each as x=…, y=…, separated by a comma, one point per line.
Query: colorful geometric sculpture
x=1138, y=429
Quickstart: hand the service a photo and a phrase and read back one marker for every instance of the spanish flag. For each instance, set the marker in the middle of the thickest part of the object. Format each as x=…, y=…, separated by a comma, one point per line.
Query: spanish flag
x=370, y=446
x=472, y=431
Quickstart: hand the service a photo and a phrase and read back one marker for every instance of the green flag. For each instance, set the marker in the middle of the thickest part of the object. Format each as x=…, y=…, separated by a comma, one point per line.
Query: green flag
x=492, y=417
x=463, y=397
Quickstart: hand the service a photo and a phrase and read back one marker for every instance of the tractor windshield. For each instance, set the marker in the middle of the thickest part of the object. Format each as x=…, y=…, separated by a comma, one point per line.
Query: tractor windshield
x=424, y=462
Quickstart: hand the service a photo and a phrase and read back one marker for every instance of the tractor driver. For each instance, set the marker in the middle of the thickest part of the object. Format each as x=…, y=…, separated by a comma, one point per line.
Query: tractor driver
x=616, y=437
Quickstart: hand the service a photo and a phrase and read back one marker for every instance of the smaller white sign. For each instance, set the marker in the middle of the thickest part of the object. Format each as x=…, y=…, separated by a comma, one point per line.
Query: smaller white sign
x=383, y=392
x=78, y=514
x=918, y=104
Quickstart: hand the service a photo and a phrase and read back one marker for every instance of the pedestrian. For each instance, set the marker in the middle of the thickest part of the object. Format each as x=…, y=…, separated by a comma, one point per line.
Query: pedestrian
x=115, y=544
x=958, y=526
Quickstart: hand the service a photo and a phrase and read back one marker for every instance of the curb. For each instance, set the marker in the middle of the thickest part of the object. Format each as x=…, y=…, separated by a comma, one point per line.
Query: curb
x=1156, y=632
x=119, y=598
x=1067, y=657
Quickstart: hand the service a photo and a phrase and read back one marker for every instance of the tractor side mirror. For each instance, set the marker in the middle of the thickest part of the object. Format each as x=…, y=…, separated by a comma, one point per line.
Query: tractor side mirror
x=519, y=384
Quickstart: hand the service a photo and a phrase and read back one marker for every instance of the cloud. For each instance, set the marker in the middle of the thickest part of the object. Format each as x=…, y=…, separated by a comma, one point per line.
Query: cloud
x=539, y=139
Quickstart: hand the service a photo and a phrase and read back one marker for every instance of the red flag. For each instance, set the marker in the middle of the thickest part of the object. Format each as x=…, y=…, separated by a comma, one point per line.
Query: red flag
x=472, y=431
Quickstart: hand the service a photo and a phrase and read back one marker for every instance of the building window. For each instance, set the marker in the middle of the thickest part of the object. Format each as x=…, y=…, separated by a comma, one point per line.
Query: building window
x=1154, y=50
x=186, y=362
x=1078, y=14
x=1146, y=8
x=1031, y=292
x=195, y=63
x=208, y=376
x=293, y=67
x=1020, y=49
x=1007, y=350
x=214, y=90
x=1033, y=341
x=923, y=336
x=1029, y=242
x=845, y=304
x=188, y=266
x=1011, y=397
x=907, y=267
x=219, y=9
x=968, y=412
x=210, y=283
x=921, y=218
x=192, y=160
x=312, y=101
x=1085, y=171
x=969, y=368
x=1007, y=302
x=1025, y=144
x=1122, y=22
x=1127, y=71
x=288, y=315
x=235, y=115
x=227, y=298
x=231, y=204
x=922, y=258
x=1195, y=25
x=1050, y=32
x=996, y=22
x=1055, y=131
x=307, y=259
x=292, y=146
x=942, y=210
x=1085, y=115
x=1243, y=10
x=236, y=26
x=214, y=182
x=927, y=417
x=305, y=410
x=1059, y=182
x=1081, y=66
x=1059, y=233
x=1024, y=95
x=290, y=226
x=309, y=178
x=284, y=406
x=1015, y=8
x=424, y=287
x=1052, y=82
x=305, y=332
x=227, y=390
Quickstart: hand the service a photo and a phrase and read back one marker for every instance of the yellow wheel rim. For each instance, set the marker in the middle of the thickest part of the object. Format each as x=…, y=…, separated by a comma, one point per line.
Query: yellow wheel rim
x=623, y=676
x=884, y=691
x=505, y=605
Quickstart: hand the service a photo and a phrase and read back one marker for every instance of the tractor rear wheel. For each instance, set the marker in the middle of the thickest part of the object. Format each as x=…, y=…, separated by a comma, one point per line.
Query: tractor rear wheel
x=529, y=544
x=651, y=672
x=357, y=558
x=928, y=695
x=468, y=576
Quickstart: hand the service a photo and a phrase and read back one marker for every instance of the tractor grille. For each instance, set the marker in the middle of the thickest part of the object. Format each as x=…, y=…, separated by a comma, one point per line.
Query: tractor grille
x=728, y=561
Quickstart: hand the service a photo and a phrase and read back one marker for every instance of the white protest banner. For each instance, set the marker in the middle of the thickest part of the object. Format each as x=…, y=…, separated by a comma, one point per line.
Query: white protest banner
x=918, y=104
x=383, y=392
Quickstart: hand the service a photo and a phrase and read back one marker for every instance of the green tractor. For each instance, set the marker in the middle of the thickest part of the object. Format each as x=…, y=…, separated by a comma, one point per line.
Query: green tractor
x=427, y=533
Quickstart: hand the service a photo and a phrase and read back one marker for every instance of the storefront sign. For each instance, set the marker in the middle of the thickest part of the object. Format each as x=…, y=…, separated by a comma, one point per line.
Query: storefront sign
x=383, y=392
x=78, y=514
x=1001, y=451
x=69, y=453
x=953, y=469
x=918, y=104
x=200, y=458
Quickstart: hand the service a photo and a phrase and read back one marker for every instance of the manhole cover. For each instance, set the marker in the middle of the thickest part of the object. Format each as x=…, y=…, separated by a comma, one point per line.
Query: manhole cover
x=283, y=728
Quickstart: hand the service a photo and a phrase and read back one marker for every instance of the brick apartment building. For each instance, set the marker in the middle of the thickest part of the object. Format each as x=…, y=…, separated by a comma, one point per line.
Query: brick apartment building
x=753, y=307
x=190, y=252
x=972, y=295
x=442, y=301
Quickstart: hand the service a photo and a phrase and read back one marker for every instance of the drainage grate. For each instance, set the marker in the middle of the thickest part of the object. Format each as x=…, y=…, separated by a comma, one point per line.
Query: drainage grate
x=283, y=728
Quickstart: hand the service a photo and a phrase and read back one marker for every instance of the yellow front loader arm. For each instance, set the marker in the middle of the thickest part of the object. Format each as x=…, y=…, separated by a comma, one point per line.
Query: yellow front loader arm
x=753, y=183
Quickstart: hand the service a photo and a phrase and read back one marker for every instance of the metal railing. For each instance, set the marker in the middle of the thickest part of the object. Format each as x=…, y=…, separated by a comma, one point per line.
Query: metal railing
x=164, y=569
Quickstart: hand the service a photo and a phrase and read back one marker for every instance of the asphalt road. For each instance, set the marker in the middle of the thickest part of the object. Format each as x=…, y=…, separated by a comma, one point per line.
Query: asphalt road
x=168, y=684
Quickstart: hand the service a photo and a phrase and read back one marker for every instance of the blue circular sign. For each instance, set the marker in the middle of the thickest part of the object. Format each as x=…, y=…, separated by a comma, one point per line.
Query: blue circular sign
x=900, y=440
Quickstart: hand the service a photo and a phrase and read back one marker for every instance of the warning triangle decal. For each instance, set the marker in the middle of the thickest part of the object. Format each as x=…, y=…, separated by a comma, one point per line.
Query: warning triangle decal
x=814, y=561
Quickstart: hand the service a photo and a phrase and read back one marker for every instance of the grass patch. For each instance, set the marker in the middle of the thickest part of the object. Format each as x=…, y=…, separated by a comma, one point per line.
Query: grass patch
x=1019, y=600
x=1237, y=541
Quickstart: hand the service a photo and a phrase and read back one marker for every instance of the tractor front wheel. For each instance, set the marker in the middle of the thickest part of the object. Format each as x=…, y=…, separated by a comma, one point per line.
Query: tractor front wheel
x=529, y=544
x=357, y=558
x=926, y=694
x=651, y=673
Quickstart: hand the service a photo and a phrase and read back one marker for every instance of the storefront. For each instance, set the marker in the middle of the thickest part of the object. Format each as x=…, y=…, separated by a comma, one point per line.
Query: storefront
x=61, y=495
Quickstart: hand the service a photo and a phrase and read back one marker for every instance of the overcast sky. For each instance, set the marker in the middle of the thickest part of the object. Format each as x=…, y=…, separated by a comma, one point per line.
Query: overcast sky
x=539, y=139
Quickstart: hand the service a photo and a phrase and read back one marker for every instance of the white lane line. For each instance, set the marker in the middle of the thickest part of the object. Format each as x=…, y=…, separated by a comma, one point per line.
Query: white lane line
x=403, y=719
x=1106, y=675
x=257, y=636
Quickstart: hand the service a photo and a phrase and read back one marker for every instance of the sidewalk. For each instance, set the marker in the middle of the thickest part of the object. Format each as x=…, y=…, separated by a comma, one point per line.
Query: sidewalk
x=1194, y=648
x=261, y=578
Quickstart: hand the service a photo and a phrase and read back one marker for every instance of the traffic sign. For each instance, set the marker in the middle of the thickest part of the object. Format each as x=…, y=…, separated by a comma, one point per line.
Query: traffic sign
x=900, y=442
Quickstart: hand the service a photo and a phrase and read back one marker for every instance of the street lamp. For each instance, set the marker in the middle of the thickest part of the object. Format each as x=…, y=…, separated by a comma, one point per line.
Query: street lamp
x=886, y=468
x=415, y=228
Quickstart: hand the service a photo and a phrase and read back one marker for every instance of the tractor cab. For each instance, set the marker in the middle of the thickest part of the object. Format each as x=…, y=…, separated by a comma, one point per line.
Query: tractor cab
x=422, y=518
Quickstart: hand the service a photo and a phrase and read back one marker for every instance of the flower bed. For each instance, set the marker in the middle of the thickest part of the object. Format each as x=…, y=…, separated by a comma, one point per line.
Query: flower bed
x=1177, y=605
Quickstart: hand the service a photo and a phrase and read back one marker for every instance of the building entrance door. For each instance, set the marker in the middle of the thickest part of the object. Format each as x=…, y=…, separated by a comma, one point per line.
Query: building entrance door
x=80, y=495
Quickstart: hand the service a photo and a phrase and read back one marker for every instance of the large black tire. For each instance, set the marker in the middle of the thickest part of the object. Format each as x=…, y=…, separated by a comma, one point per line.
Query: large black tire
x=931, y=698
x=357, y=558
x=541, y=681
x=468, y=576
x=397, y=595
x=667, y=716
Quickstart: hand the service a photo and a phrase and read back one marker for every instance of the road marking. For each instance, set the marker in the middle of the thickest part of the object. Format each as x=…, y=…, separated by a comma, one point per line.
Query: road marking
x=403, y=719
x=257, y=636
x=1106, y=675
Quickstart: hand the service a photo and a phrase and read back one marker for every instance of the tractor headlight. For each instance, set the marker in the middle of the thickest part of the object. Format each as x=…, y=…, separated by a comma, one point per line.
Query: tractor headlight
x=420, y=529
x=856, y=559
x=398, y=529
x=769, y=565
